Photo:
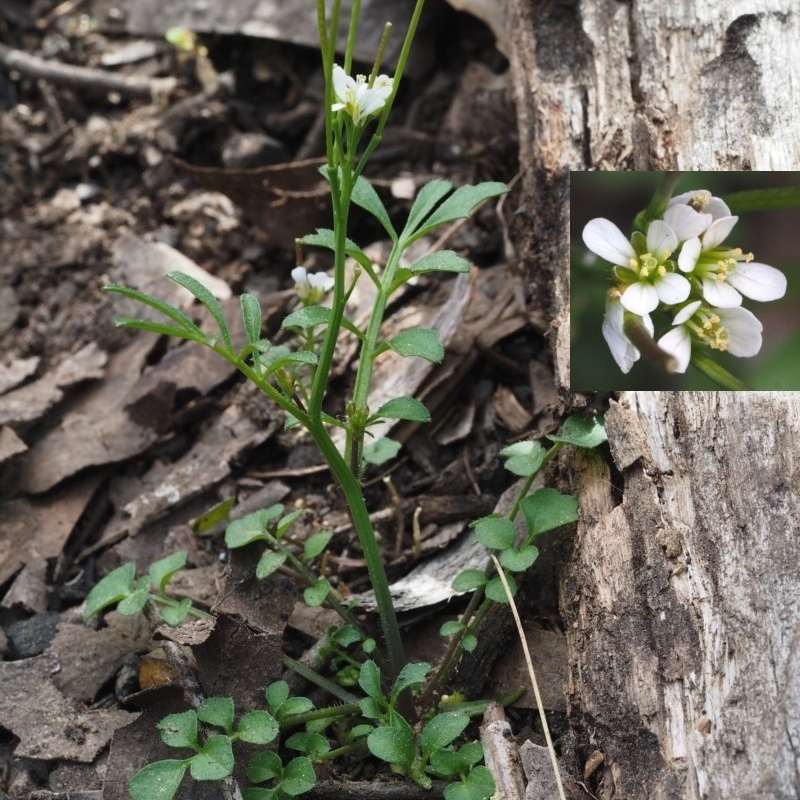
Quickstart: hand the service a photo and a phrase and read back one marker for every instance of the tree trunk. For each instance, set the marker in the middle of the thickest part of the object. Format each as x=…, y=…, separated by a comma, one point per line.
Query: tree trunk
x=682, y=593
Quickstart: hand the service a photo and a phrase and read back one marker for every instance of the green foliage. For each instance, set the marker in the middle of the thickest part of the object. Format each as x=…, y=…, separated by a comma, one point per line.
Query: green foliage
x=419, y=342
x=547, y=508
x=585, y=432
x=158, y=781
x=458, y=205
x=213, y=517
x=403, y=408
x=380, y=451
x=130, y=596
x=213, y=757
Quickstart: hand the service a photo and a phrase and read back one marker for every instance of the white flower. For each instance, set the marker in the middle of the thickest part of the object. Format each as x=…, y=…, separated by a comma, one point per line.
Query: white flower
x=357, y=97
x=736, y=330
x=726, y=273
x=311, y=287
x=686, y=222
x=647, y=278
x=701, y=200
x=624, y=353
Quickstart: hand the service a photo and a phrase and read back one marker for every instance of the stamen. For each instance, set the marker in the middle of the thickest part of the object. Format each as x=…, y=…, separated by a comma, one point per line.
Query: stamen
x=698, y=202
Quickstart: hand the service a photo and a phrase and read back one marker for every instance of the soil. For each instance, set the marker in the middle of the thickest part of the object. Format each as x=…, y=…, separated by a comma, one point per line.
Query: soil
x=114, y=443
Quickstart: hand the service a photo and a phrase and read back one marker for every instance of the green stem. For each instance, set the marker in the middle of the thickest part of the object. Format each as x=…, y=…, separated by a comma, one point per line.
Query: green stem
x=333, y=599
x=658, y=204
x=478, y=605
x=718, y=374
x=163, y=600
x=352, y=33
x=644, y=342
x=401, y=65
x=329, y=686
x=366, y=538
x=355, y=435
x=325, y=361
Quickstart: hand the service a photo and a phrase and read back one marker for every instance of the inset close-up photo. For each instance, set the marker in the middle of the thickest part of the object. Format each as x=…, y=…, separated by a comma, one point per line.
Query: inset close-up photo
x=690, y=277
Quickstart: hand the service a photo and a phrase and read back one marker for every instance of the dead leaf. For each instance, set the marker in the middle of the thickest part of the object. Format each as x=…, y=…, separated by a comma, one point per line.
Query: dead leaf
x=48, y=725
x=14, y=372
x=36, y=528
x=29, y=402
x=166, y=486
x=89, y=658
x=98, y=432
x=10, y=444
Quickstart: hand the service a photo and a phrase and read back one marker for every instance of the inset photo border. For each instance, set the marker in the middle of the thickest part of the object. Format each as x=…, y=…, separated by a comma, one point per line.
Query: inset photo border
x=684, y=281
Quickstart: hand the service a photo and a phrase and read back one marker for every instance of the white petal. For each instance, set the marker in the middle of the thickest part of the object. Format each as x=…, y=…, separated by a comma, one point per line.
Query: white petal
x=641, y=298
x=718, y=231
x=672, y=288
x=744, y=331
x=623, y=352
x=758, y=281
x=661, y=239
x=690, y=252
x=605, y=239
x=383, y=85
x=686, y=312
x=321, y=280
x=720, y=294
x=717, y=208
x=687, y=197
x=678, y=343
x=342, y=82
x=300, y=276
x=686, y=222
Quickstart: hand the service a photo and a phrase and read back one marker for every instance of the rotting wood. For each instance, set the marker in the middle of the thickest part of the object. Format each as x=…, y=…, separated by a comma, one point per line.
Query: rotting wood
x=680, y=606
x=682, y=601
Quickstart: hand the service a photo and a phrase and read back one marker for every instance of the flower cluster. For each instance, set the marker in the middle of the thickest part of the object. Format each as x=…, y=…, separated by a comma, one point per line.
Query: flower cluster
x=682, y=266
x=311, y=286
x=357, y=97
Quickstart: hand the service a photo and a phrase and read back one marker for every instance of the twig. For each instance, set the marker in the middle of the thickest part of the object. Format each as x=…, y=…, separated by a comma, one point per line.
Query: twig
x=539, y=705
x=84, y=77
x=501, y=754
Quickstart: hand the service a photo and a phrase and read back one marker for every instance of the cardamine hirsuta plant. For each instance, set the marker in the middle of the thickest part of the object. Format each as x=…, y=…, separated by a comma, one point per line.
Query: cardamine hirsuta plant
x=390, y=709
x=679, y=263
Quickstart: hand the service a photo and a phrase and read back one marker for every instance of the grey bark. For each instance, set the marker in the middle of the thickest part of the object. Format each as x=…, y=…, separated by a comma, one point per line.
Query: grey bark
x=681, y=594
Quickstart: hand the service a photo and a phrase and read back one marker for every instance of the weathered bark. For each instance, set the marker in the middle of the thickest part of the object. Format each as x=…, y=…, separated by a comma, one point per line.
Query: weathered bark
x=683, y=600
x=682, y=594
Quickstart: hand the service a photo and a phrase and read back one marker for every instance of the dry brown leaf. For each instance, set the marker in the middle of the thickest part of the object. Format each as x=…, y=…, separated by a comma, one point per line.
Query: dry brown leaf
x=47, y=724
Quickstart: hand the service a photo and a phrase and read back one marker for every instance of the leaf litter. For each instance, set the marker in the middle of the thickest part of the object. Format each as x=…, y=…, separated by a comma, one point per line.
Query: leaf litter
x=110, y=444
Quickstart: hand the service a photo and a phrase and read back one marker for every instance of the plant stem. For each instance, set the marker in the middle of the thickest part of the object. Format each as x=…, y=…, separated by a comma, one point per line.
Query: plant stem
x=718, y=374
x=355, y=436
x=366, y=538
x=658, y=204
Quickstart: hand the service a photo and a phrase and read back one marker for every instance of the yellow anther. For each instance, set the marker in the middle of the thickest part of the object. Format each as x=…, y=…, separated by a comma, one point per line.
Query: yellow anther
x=698, y=202
x=662, y=270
